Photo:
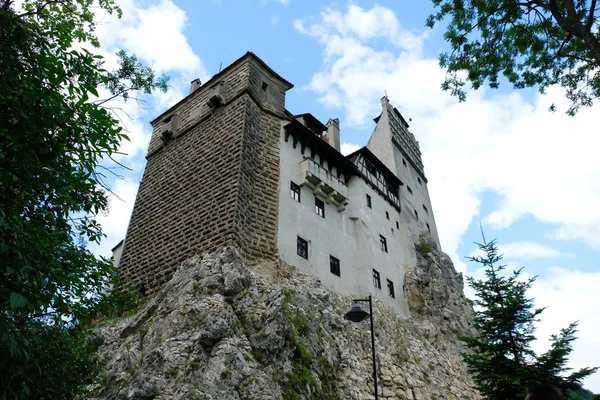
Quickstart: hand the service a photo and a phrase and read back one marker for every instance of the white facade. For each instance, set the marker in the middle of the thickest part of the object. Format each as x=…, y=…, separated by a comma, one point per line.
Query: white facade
x=350, y=231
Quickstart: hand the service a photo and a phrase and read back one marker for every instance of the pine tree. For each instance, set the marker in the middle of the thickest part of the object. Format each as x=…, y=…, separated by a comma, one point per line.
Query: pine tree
x=500, y=358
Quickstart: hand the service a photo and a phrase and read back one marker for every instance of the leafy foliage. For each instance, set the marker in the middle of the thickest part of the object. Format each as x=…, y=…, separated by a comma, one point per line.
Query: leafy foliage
x=52, y=138
x=500, y=358
x=534, y=43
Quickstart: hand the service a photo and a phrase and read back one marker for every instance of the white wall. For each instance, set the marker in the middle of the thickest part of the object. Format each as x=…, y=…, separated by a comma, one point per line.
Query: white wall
x=351, y=235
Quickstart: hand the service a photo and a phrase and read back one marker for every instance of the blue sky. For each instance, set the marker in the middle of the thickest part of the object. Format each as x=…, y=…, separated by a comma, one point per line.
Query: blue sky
x=531, y=177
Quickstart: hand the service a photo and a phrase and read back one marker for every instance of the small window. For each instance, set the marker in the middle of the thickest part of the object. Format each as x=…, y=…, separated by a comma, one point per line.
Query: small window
x=390, y=286
x=302, y=247
x=397, y=225
x=334, y=265
x=387, y=215
x=369, y=202
x=419, y=180
x=404, y=162
x=428, y=228
x=376, y=279
x=416, y=215
x=425, y=208
x=409, y=189
x=319, y=208
x=295, y=191
x=264, y=86
x=371, y=168
x=383, y=243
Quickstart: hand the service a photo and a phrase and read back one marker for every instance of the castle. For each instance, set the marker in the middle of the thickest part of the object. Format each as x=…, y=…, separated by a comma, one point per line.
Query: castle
x=229, y=165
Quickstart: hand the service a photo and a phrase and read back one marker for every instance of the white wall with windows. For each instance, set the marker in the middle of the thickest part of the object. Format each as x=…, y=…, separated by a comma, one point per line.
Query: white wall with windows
x=343, y=248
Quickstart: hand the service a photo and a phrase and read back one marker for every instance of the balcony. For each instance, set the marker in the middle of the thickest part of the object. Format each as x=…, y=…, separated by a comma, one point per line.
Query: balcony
x=324, y=184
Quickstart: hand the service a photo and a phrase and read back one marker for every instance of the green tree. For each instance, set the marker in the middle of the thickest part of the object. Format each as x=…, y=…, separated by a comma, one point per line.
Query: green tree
x=54, y=132
x=535, y=43
x=500, y=358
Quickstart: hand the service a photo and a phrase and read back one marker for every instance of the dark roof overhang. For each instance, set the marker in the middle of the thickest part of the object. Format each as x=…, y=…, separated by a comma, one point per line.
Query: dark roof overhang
x=310, y=140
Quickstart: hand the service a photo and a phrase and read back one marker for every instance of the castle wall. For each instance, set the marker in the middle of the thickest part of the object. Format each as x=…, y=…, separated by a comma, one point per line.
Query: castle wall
x=352, y=236
x=211, y=178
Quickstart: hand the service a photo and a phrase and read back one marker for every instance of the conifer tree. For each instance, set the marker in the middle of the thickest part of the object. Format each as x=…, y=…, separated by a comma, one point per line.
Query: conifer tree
x=500, y=358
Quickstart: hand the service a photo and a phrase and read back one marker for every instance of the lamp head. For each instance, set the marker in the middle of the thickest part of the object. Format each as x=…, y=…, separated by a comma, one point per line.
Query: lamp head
x=356, y=313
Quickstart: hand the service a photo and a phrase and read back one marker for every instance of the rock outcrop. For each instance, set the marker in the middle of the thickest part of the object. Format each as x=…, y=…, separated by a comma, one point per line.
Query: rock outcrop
x=222, y=330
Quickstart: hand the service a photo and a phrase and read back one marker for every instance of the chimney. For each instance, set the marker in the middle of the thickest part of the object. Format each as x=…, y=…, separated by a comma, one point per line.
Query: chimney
x=195, y=85
x=333, y=133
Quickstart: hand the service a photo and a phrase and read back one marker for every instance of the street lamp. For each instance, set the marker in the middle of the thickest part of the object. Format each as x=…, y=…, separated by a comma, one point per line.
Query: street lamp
x=357, y=314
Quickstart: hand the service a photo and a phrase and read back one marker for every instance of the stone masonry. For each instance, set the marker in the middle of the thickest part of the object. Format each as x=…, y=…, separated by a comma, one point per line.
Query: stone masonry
x=211, y=178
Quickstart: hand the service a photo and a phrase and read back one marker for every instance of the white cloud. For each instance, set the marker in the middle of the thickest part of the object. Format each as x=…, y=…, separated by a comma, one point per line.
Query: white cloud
x=347, y=148
x=155, y=34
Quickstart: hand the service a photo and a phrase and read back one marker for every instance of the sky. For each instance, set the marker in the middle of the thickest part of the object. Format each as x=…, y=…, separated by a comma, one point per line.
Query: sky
x=500, y=160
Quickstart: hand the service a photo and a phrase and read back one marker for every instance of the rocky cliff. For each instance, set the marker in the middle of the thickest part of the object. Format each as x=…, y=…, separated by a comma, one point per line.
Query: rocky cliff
x=223, y=330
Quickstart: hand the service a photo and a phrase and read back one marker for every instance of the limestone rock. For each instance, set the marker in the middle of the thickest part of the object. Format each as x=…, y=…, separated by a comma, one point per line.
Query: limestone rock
x=224, y=330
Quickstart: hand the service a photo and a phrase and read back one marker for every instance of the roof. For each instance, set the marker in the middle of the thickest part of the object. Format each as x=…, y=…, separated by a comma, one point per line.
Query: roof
x=118, y=244
x=311, y=118
x=215, y=77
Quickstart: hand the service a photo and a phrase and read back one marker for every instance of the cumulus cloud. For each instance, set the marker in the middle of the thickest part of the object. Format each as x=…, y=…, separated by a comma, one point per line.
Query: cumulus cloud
x=155, y=32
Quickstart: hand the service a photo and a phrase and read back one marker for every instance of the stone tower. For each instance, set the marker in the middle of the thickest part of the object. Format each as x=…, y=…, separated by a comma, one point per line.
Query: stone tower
x=212, y=173
x=399, y=150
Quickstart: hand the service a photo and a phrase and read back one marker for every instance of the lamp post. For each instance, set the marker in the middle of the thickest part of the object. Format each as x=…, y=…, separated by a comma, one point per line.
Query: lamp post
x=357, y=314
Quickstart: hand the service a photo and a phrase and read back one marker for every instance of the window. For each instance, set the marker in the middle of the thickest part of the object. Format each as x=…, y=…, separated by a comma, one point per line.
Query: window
x=419, y=180
x=295, y=191
x=390, y=286
x=383, y=243
x=416, y=215
x=404, y=162
x=397, y=225
x=320, y=208
x=334, y=265
x=428, y=228
x=371, y=168
x=264, y=86
x=387, y=215
x=409, y=189
x=369, y=202
x=376, y=279
x=302, y=247
x=425, y=208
